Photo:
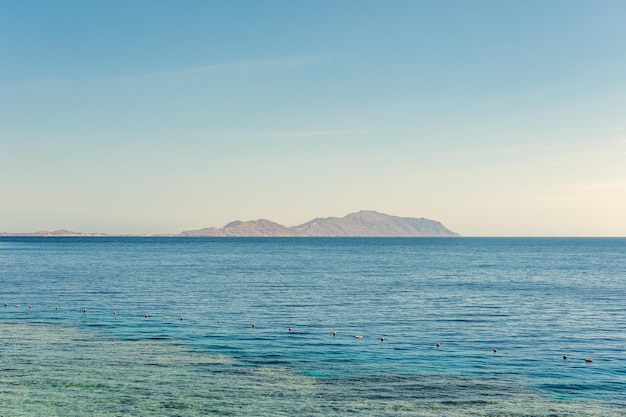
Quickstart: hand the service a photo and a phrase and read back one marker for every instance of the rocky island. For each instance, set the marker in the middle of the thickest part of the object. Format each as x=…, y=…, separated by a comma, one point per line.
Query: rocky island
x=362, y=224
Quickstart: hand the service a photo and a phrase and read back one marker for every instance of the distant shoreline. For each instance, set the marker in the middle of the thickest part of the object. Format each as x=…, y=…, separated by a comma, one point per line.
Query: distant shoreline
x=182, y=236
x=365, y=223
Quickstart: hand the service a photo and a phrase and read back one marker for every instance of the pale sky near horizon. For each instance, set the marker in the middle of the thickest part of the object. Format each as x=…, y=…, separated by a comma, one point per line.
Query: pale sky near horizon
x=497, y=118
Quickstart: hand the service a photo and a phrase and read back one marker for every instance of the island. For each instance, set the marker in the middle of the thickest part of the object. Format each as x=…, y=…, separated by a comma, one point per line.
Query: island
x=365, y=223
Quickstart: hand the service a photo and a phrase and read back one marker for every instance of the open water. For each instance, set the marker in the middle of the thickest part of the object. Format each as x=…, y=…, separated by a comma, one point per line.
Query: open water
x=63, y=351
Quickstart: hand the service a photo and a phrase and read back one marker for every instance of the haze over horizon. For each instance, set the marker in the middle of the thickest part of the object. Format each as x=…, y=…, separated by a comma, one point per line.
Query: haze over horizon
x=494, y=118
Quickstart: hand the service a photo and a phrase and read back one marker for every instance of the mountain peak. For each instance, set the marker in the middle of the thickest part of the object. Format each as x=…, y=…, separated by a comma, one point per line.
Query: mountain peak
x=259, y=227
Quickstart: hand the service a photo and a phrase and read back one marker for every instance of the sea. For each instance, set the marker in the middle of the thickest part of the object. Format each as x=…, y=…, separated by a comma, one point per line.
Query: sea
x=198, y=326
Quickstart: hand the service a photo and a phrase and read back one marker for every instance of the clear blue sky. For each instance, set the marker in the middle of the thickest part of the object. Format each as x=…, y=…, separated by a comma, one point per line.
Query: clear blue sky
x=494, y=117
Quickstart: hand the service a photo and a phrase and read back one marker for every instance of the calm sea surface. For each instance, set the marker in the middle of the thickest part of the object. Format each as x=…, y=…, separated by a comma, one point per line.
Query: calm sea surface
x=534, y=300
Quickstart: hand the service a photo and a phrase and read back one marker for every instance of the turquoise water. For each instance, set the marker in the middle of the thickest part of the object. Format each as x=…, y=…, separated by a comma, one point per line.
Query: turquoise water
x=534, y=300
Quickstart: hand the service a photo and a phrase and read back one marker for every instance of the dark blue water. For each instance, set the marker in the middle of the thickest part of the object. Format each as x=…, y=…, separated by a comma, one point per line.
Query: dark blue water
x=534, y=300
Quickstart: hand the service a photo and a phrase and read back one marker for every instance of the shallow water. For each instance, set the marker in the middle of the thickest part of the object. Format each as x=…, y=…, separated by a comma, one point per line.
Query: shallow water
x=532, y=299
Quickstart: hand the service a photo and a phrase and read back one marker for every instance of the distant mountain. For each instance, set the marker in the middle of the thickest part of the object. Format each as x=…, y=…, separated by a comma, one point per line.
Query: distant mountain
x=361, y=224
x=239, y=228
x=372, y=223
x=61, y=232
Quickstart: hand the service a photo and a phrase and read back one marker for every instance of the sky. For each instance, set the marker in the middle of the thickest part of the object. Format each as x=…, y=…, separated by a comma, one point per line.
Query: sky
x=496, y=118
